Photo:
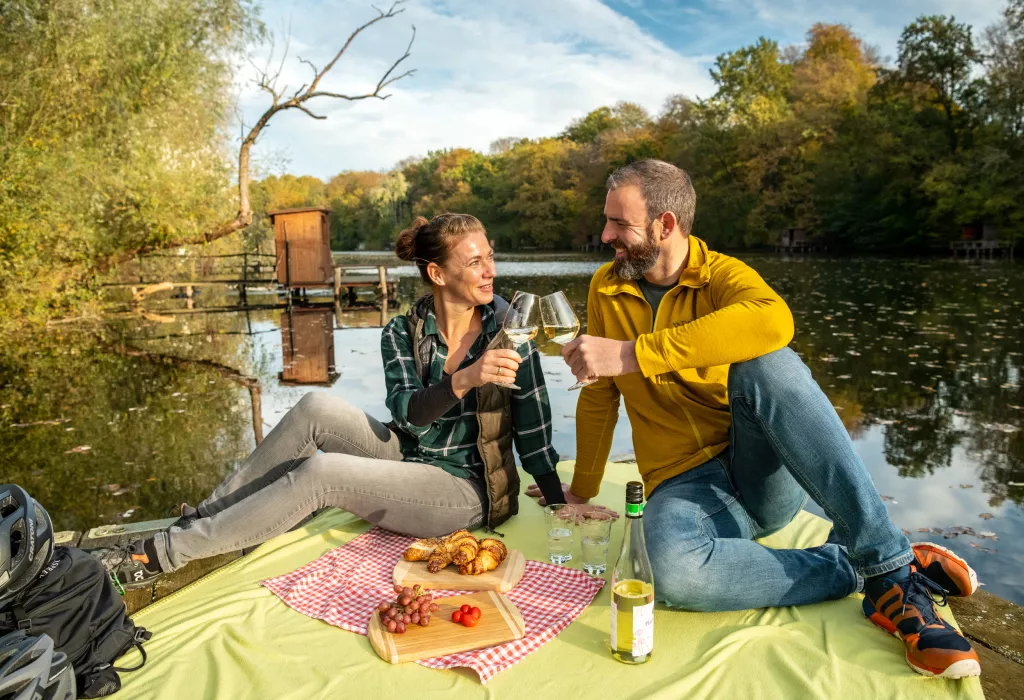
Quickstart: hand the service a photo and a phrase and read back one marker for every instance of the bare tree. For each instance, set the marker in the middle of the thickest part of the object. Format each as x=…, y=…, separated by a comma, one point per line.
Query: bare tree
x=282, y=100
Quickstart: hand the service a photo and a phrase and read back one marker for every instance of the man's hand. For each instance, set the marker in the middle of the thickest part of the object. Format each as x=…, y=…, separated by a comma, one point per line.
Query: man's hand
x=590, y=357
x=580, y=504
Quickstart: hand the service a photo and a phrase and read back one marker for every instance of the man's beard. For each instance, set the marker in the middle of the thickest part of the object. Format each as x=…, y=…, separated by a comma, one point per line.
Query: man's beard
x=639, y=257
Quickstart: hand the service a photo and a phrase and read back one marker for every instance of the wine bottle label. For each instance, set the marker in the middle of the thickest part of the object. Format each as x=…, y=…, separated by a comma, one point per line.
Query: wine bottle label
x=643, y=629
x=634, y=509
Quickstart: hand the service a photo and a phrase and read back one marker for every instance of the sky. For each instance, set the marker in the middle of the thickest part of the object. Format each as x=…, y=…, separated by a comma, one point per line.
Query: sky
x=488, y=69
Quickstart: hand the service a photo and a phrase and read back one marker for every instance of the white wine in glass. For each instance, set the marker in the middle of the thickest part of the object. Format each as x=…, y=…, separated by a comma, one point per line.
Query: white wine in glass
x=561, y=325
x=521, y=324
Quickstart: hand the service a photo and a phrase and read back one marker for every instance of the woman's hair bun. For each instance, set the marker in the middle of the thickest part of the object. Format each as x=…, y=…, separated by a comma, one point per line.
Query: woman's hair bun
x=405, y=246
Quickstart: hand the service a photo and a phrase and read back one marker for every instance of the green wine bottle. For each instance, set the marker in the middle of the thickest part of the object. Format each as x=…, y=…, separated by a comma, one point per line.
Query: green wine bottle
x=632, y=639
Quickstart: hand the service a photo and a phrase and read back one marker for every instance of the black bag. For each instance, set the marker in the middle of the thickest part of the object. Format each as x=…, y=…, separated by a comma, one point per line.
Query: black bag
x=76, y=604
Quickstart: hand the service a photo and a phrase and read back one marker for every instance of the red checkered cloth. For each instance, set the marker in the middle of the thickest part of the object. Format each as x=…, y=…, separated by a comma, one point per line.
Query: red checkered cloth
x=344, y=587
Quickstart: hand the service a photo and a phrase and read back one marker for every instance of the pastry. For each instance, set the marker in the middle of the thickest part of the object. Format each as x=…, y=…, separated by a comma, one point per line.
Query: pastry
x=420, y=550
x=491, y=553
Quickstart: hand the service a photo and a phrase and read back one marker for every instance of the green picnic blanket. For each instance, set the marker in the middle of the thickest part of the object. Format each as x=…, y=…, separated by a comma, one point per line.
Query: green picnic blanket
x=226, y=636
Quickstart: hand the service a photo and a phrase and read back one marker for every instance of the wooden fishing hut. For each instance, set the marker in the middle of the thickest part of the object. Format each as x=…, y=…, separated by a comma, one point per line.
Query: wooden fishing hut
x=303, y=238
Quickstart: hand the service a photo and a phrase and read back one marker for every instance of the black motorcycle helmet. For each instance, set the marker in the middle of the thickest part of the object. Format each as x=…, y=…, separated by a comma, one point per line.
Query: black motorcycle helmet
x=26, y=540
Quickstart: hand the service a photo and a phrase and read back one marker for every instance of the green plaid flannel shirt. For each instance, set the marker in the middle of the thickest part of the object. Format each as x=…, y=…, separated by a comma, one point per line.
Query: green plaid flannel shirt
x=450, y=441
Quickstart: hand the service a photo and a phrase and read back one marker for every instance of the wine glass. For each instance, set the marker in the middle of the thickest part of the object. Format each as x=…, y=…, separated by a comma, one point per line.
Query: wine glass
x=561, y=325
x=521, y=324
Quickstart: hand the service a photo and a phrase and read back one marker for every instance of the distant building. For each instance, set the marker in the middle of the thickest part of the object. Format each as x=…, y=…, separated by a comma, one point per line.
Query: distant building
x=981, y=239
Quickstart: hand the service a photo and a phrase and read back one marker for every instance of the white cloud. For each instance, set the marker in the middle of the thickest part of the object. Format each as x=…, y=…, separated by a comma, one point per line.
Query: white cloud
x=484, y=70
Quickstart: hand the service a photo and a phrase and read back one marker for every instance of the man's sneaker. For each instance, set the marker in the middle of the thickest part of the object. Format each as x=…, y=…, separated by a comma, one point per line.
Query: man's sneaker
x=129, y=565
x=905, y=608
x=945, y=568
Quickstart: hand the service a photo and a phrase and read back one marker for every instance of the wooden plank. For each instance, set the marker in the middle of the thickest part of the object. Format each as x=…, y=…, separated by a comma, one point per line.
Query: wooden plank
x=992, y=621
x=122, y=533
x=500, y=622
x=503, y=578
x=190, y=573
x=1001, y=679
x=66, y=538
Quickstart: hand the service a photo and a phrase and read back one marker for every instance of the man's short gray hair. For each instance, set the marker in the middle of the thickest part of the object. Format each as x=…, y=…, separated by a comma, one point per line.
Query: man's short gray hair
x=663, y=186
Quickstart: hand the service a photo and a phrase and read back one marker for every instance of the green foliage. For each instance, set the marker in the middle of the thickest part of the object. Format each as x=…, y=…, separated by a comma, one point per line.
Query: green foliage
x=822, y=137
x=112, y=133
x=113, y=136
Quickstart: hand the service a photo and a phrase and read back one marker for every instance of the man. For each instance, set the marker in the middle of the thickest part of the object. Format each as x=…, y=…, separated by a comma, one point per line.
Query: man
x=731, y=434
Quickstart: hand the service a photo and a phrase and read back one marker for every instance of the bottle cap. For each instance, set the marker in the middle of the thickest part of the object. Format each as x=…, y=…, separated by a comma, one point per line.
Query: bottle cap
x=635, y=492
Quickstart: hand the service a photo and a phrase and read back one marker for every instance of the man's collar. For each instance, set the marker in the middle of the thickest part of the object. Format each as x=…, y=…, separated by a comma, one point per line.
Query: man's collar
x=696, y=274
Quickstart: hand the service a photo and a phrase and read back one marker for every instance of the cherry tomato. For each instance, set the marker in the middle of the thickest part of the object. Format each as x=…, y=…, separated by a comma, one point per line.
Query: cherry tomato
x=475, y=612
x=465, y=609
x=469, y=621
x=457, y=616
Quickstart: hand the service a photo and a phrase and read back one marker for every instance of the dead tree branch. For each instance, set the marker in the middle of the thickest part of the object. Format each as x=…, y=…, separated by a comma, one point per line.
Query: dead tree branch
x=280, y=103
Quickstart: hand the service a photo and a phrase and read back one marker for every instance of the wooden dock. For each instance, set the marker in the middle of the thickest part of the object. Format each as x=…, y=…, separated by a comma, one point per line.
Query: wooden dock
x=995, y=626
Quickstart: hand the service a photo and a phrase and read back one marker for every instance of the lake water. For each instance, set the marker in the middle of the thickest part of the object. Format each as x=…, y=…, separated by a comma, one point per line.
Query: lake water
x=922, y=360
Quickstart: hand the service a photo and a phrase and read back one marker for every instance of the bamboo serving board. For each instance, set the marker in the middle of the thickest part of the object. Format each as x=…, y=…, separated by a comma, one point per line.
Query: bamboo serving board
x=500, y=622
x=503, y=578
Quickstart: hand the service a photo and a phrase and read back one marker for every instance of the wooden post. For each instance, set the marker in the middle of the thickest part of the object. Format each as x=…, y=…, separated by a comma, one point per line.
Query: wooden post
x=188, y=296
x=382, y=273
x=337, y=282
x=245, y=278
x=256, y=399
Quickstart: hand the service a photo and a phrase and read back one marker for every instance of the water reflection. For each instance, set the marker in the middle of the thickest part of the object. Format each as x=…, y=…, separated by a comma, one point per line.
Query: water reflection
x=307, y=346
x=922, y=361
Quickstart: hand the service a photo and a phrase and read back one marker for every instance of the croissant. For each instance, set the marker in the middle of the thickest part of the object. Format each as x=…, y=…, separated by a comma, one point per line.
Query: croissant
x=420, y=550
x=461, y=546
x=458, y=547
x=491, y=553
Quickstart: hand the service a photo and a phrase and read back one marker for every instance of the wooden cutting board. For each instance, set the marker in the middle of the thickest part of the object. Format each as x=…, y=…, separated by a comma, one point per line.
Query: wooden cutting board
x=500, y=622
x=503, y=578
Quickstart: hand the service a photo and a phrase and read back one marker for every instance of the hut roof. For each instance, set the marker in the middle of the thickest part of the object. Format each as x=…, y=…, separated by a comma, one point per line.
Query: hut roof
x=297, y=210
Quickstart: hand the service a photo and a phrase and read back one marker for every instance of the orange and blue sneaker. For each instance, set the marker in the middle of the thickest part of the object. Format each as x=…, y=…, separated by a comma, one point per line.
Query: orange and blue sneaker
x=901, y=603
x=944, y=568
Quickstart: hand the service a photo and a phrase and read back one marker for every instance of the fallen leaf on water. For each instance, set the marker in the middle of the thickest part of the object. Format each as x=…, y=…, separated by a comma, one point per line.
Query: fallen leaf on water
x=987, y=550
x=967, y=486
x=985, y=535
x=55, y=421
x=889, y=498
x=905, y=531
x=986, y=516
x=924, y=529
x=78, y=450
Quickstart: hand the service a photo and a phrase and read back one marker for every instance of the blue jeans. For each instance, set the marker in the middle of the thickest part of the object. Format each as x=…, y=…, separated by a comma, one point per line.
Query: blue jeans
x=785, y=442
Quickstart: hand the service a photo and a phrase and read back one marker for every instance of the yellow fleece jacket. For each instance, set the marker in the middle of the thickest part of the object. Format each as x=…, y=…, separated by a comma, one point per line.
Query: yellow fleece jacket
x=719, y=312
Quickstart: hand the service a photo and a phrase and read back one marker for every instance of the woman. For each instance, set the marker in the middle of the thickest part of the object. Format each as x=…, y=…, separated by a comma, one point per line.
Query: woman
x=445, y=462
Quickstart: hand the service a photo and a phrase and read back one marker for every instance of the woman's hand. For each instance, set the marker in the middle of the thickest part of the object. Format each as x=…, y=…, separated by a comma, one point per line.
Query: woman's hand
x=580, y=504
x=493, y=366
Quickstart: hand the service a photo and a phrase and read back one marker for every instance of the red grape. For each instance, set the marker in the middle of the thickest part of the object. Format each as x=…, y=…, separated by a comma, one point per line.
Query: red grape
x=383, y=607
x=404, y=600
x=414, y=618
x=434, y=607
x=392, y=626
x=424, y=621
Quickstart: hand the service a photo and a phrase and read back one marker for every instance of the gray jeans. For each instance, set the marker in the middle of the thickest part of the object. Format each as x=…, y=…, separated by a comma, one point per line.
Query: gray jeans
x=360, y=470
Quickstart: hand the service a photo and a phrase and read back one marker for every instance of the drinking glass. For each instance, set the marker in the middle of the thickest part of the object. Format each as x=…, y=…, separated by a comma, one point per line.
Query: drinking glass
x=561, y=522
x=521, y=324
x=561, y=325
x=596, y=530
